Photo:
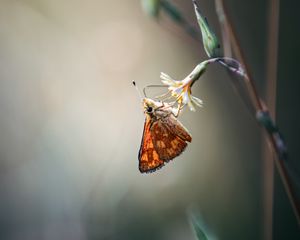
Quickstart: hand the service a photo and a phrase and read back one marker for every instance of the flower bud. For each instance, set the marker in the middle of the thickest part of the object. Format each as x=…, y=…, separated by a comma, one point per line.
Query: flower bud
x=210, y=41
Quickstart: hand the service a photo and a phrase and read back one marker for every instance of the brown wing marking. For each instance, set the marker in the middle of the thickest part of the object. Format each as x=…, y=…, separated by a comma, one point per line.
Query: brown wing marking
x=167, y=144
x=149, y=160
x=177, y=128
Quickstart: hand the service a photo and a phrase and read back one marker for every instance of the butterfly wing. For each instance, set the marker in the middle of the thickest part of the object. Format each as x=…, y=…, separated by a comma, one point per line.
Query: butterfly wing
x=177, y=128
x=149, y=159
x=167, y=143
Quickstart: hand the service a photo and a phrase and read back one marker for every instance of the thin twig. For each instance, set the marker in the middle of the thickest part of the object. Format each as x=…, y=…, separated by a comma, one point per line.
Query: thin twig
x=279, y=161
x=227, y=51
x=272, y=51
x=240, y=56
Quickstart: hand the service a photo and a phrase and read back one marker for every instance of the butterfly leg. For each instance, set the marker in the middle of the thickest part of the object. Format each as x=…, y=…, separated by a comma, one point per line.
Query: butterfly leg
x=178, y=110
x=164, y=96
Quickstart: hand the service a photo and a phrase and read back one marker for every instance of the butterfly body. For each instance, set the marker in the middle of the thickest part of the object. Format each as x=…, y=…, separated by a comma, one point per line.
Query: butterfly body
x=164, y=137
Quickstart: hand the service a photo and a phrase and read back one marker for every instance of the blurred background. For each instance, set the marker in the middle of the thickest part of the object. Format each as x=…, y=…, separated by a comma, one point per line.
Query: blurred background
x=71, y=124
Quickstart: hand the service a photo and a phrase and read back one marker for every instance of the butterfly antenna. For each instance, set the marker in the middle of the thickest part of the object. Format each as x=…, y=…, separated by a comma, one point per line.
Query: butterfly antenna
x=137, y=89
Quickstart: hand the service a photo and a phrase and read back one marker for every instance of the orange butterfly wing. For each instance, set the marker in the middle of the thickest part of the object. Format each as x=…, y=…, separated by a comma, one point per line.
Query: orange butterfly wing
x=167, y=143
x=149, y=159
x=163, y=140
x=177, y=128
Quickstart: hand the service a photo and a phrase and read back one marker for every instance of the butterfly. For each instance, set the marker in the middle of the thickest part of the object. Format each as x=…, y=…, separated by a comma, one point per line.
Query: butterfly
x=164, y=137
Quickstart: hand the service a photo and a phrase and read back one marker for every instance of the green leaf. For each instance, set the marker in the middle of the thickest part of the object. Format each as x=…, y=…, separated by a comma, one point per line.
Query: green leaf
x=210, y=41
x=197, y=228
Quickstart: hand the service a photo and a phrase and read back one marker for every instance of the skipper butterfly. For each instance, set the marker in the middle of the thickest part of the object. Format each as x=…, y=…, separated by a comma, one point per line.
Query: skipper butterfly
x=164, y=137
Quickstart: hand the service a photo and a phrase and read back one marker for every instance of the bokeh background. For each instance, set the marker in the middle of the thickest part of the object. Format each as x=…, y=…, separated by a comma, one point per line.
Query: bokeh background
x=71, y=124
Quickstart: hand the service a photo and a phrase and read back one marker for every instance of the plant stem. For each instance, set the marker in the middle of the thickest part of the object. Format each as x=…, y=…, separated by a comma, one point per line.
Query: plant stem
x=270, y=93
x=279, y=161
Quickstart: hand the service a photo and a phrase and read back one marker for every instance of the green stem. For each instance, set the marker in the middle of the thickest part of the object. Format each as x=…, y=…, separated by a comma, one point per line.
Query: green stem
x=279, y=160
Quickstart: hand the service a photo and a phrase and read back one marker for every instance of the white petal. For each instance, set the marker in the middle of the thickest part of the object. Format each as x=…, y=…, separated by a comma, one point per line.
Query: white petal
x=191, y=106
x=197, y=101
x=166, y=79
x=177, y=91
x=185, y=98
x=165, y=76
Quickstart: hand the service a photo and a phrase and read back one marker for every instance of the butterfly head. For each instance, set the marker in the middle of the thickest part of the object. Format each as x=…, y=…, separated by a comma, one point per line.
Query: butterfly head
x=157, y=109
x=154, y=109
x=150, y=105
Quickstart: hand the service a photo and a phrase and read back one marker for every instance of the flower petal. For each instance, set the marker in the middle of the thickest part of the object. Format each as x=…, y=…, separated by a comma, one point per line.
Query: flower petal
x=197, y=101
x=191, y=106
x=185, y=98
x=176, y=92
x=166, y=79
x=181, y=90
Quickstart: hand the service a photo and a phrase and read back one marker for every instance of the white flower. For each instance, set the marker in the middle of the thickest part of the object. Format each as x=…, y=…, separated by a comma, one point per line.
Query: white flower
x=181, y=90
